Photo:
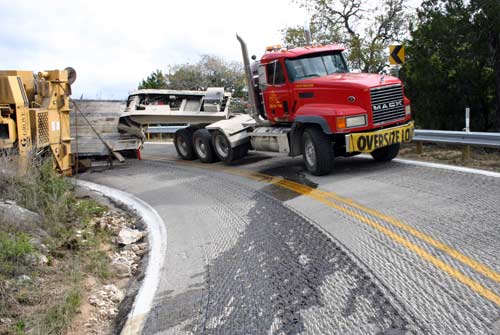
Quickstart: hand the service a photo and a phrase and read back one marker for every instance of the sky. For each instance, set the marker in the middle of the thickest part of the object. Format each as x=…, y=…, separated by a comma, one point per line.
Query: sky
x=113, y=45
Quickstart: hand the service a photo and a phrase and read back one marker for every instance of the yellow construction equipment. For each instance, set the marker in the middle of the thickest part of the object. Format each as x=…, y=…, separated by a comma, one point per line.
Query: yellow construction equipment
x=34, y=114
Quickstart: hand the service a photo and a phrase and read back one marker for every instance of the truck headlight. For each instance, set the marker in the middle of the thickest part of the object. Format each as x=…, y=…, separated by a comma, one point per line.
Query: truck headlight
x=355, y=121
x=407, y=110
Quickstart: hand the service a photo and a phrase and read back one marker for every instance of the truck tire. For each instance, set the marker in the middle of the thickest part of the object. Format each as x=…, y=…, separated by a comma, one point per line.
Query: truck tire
x=202, y=143
x=222, y=148
x=317, y=149
x=183, y=141
x=386, y=154
x=243, y=150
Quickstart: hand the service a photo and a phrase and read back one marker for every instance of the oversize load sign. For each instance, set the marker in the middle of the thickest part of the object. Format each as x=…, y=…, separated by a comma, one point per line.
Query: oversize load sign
x=367, y=142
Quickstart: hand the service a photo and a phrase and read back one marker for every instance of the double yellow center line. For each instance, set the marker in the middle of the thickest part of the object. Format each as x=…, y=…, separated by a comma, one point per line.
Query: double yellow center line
x=351, y=208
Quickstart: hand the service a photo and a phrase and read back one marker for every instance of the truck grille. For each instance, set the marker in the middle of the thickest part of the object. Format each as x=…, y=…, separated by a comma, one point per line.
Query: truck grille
x=387, y=103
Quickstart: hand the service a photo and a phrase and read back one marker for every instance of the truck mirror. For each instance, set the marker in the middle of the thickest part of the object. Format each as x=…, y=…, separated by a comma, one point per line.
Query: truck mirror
x=262, y=77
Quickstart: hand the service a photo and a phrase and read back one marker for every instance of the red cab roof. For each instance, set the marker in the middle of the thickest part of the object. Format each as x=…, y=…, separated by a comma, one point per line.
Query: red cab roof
x=302, y=51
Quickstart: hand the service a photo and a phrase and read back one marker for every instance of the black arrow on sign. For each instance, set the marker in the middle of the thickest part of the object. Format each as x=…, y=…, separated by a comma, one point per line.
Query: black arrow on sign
x=394, y=54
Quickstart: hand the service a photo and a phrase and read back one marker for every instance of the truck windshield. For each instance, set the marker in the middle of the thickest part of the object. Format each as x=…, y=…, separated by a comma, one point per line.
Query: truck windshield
x=315, y=66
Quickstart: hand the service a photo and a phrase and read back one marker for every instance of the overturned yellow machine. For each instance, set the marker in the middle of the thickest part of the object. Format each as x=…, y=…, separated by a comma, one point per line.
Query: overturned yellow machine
x=34, y=114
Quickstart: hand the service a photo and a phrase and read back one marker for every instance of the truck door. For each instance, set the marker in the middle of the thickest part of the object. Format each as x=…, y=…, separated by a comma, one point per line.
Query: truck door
x=277, y=93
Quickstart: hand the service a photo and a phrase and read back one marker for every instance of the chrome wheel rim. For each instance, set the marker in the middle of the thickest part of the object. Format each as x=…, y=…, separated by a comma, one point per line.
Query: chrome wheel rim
x=221, y=145
x=310, y=152
x=201, y=147
x=182, y=146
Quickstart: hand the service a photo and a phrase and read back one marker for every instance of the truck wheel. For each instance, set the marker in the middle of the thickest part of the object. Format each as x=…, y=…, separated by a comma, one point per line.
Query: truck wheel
x=183, y=141
x=202, y=142
x=222, y=147
x=243, y=150
x=317, y=150
x=386, y=154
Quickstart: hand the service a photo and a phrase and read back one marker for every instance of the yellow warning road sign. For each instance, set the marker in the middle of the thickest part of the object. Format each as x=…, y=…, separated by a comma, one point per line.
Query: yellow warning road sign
x=397, y=54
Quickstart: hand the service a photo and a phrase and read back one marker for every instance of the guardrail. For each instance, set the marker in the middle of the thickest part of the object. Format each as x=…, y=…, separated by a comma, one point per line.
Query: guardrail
x=463, y=138
x=491, y=140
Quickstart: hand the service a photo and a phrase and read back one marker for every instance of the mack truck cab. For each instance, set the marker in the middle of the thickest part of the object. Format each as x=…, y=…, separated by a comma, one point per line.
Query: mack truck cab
x=304, y=101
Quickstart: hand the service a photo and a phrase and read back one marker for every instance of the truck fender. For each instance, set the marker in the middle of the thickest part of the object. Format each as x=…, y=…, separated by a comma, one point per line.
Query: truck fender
x=234, y=128
x=298, y=127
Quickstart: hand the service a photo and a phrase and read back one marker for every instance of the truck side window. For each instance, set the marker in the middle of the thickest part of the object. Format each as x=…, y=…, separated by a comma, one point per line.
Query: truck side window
x=275, y=75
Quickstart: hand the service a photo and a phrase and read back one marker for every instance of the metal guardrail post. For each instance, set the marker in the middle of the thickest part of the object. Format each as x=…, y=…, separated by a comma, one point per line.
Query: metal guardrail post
x=420, y=148
x=466, y=149
x=466, y=153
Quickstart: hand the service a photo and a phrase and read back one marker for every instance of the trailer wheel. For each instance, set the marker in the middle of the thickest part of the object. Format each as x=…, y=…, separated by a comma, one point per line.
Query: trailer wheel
x=386, y=154
x=222, y=147
x=202, y=142
x=183, y=141
x=243, y=150
x=317, y=149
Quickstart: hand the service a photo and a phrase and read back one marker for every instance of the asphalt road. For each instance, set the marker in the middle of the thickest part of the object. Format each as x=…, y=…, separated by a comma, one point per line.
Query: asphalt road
x=262, y=247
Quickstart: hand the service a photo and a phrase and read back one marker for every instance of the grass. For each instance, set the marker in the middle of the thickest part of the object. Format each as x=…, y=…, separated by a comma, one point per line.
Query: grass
x=98, y=264
x=85, y=209
x=13, y=251
x=59, y=316
x=47, y=308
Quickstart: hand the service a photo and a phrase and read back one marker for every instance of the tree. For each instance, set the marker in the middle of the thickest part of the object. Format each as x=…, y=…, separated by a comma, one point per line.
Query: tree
x=294, y=36
x=367, y=32
x=155, y=80
x=486, y=16
x=450, y=67
x=209, y=71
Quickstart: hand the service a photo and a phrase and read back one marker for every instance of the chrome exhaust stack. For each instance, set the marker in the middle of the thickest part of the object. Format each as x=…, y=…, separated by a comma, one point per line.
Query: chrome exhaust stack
x=307, y=34
x=254, y=113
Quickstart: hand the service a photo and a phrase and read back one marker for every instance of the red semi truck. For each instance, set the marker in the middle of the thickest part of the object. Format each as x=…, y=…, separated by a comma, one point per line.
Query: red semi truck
x=304, y=101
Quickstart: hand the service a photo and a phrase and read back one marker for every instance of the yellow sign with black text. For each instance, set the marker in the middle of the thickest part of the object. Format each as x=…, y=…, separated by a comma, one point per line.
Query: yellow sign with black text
x=367, y=142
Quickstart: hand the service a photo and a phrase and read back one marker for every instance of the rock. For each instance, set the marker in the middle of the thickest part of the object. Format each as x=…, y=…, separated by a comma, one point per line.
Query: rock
x=114, y=293
x=30, y=259
x=121, y=269
x=139, y=249
x=5, y=321
x=23, y=279
x=92, y=300
x=128, y=236
x=22, y=219
x=42, y=260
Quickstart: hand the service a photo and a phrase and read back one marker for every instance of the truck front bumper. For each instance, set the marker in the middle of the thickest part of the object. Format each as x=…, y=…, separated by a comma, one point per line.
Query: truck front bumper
x=368, y=142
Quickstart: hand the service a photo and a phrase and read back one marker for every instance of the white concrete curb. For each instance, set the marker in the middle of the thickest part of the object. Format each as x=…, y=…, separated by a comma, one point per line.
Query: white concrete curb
x=157, y=238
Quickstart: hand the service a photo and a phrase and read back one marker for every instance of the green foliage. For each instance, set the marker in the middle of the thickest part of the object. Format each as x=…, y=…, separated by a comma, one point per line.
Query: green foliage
x=48, y=310
x=44, y=191
x=19, y=328
x=294, y=36
x=58, y=318
x=13, y=250
x=98, y=264
x=450, y=66
x=85, y=209
x=364, y=28
x=209, y=71
x=155, y=80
